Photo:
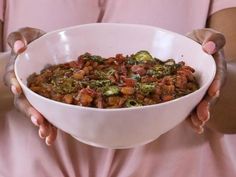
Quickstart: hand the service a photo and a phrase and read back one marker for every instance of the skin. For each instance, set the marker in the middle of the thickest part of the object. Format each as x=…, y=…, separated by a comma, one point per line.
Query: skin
x=46, y=130
x=211, y=41
x=223, y=117
x=1, y=36
x=222, y=22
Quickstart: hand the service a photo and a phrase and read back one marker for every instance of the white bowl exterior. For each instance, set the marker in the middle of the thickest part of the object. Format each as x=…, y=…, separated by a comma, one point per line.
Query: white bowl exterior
x=116, y=128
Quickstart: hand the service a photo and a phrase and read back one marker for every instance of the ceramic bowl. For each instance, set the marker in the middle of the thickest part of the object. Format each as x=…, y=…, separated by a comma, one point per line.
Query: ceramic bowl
x=114, y=128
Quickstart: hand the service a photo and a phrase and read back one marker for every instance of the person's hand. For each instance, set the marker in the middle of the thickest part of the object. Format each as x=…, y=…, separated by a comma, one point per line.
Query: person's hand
x=18, y=42
x=212, y=43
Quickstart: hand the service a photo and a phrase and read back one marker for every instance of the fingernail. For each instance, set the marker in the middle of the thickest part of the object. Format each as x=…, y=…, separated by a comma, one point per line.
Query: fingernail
x=14, y=90
x=210, y=47
x=41, y=135
x=48, y=142
x=202, y=123
x=18, y=46
x=217, y=93
x=34, y=120
x=208, y=115
x=201, y=130
x=207, y=118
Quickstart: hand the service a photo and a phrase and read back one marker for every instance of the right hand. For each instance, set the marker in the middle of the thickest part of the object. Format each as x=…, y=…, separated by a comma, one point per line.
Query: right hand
x=212, y=43
x=18, y=42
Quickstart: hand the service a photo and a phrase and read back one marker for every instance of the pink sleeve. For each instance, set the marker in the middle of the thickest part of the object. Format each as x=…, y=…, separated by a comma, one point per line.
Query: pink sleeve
x=220, y=5
x=1, y=10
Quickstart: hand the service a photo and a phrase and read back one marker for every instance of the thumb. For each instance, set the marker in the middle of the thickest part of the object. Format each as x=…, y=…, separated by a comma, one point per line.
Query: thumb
x=18, y=40
x=211, y=40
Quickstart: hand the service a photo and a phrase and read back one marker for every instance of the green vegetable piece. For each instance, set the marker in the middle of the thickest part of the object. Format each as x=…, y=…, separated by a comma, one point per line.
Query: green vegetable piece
x=162, y=70
x=95, y=58
x=132, y=103
x=146, y=88
x=143, y=56
x=168, y=70
x=158, y=68
x=156, y=72
x=170, y=62
x=111, y=90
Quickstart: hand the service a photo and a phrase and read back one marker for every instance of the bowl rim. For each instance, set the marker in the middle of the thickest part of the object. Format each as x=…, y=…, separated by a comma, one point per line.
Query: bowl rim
x=25, y=87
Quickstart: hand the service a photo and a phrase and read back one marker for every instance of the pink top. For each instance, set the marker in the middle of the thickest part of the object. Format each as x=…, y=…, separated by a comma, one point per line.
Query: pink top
x=180, y=152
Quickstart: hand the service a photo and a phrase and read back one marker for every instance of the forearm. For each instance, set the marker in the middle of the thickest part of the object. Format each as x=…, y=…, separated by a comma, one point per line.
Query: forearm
x=4, y=91
x=1, y=36
x=223, y=116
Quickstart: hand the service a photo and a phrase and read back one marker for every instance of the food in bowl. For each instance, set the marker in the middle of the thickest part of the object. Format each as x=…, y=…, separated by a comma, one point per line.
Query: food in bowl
x=120, y=127
x=116, y=82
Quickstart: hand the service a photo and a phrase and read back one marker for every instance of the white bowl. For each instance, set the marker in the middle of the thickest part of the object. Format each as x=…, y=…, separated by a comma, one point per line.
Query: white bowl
x=114, y=128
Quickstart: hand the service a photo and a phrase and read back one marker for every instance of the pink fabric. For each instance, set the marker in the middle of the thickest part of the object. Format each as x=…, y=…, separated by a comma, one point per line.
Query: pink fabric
x=181, y=17
x=218, y=5
x=180, y=152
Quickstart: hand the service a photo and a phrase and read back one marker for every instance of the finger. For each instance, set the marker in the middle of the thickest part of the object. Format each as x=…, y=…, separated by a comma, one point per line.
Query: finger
x=25, y=107
x=213, y=42
x=203, y=36
x=52, y=136
x=209, y=47
x=18, y=40
x=202, y=111
x=192, y=122
x=214, y=89
x=36, y=117
x=10, y=77
x=195, y=120
x=11, y=81
x=214, y=38
x=19, y=46
x=220, y=77
x=44, y=130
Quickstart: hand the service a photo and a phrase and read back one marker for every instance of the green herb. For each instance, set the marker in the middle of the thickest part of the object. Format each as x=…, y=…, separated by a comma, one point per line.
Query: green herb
x=111, y=90
x=100, y=74
x=110, y=72
x=99, y=83
x=162, y=70
x=146, y=89
x=65, y=85
x=94, y=58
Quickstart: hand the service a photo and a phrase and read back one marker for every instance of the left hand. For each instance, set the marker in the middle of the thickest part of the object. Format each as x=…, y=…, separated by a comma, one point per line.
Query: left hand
x=212, y=43
x=18, y=42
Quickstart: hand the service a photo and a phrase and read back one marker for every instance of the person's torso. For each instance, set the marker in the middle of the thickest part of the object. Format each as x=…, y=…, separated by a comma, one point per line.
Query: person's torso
x=180, y=16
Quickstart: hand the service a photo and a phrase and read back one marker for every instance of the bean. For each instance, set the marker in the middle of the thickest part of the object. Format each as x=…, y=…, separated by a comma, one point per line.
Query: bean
x=68, y=99
x=128, y=90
